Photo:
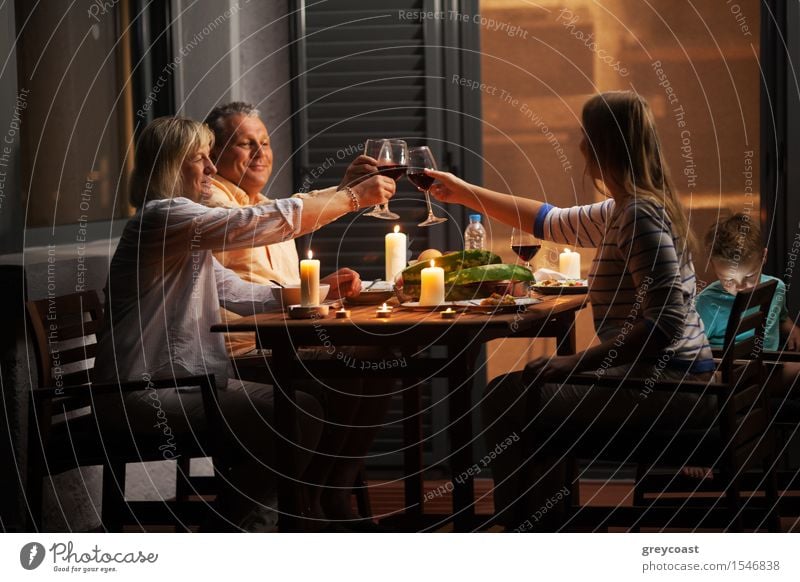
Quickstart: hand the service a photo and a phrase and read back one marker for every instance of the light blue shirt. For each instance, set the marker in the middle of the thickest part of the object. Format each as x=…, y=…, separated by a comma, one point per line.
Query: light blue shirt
x=714, y=305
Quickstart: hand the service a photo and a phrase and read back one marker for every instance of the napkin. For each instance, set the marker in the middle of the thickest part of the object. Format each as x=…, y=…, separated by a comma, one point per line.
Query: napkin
x=545, y=274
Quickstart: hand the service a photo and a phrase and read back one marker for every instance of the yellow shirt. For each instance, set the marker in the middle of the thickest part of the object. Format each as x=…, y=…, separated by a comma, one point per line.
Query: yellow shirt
x=256, y=264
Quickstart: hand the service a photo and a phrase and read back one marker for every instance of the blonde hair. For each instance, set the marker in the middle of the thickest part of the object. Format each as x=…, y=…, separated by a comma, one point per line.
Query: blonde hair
x=160, y=152
x=623, y=145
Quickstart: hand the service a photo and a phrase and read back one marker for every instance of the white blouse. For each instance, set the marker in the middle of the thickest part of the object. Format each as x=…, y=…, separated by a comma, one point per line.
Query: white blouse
x=164, y=287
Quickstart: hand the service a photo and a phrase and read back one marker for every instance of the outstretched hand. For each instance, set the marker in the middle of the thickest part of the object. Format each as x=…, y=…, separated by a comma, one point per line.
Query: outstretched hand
x=344, y=283
x=449, y=187
x=359, y=170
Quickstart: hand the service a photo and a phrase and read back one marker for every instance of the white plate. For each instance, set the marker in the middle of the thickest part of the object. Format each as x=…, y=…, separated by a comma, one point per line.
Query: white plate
x=415, y=306
x=520, y=304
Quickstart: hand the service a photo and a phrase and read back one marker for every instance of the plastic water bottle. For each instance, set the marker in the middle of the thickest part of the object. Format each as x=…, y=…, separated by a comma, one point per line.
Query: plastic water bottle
x=474, y=234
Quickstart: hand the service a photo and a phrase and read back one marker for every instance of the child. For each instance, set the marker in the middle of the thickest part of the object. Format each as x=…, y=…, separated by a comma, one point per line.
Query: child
x=737, y=256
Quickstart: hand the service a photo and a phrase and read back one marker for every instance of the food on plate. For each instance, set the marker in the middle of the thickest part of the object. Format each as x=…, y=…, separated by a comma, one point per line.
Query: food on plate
x=471, y=274
x=562, y=283
x=497, y=299
x=429, y=254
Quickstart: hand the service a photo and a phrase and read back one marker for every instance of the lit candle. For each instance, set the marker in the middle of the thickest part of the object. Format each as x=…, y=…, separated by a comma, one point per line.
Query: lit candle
x=396, y=245
x=342, y=313
x=309, y=281
x=448, y=314
x=569, y=264
x=383, y=311
x=432, y=285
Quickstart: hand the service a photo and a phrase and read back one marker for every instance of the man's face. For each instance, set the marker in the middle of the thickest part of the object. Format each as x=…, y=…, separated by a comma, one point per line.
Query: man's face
x=739, y=276
x=244, y=156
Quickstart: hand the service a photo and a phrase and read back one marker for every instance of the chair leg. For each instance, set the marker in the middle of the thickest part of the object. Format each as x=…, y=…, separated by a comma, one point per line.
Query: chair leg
x=114, y=507
x=35, y=498
x=734, y=502
x=772, y=499
x=361, y=491
x=183, y=486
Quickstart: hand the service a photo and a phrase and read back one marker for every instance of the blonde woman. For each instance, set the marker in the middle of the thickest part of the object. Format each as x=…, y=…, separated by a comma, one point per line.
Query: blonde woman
x=164, y=291
x=641, y=286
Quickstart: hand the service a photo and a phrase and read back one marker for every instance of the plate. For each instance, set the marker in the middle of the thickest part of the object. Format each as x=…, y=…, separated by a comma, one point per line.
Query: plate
x=415, y=306
x=521, y=304
x=561, y=289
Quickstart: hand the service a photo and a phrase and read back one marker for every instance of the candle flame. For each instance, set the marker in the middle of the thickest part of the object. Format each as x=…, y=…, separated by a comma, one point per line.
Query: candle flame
x=567, y=251
x=433, y=263
x=397, y=228
x=310, y=254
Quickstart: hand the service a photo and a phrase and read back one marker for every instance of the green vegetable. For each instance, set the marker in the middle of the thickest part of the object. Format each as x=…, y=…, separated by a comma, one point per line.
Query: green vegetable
x=488, y=273
x=475, y=282
x=451, y=263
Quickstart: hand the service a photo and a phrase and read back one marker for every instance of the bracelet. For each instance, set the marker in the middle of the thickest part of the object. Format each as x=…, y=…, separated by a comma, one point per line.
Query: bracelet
x=353, y=199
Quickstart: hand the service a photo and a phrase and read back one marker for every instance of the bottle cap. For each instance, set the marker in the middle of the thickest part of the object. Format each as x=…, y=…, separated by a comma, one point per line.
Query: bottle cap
x=474, y=217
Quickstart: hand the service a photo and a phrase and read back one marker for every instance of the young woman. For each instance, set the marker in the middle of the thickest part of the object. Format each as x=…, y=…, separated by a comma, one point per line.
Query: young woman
x=641, y=286
x=164, y=292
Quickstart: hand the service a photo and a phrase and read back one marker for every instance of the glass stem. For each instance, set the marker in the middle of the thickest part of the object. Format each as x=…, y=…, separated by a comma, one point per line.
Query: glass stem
x=428, y=200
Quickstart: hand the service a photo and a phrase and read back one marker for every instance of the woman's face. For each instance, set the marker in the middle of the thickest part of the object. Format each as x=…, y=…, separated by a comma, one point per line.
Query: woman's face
x=196, y=173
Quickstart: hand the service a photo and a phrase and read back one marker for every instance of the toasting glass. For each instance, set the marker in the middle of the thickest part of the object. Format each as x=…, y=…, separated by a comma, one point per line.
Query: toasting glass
x=420, y=159
x=392, y=157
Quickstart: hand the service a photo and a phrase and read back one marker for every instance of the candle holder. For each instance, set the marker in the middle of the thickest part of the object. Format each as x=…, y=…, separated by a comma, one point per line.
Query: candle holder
x=342, y=313
x=449, y=313
x=308, y=312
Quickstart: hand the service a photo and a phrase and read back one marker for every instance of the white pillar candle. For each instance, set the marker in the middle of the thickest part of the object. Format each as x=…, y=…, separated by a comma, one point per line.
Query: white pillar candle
x=569, y=264
x=309, y=281
x=396, y=245
x=432, y=285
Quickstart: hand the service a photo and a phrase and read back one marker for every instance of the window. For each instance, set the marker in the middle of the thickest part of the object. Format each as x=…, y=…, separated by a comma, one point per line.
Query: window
x=84, y=71
x=695, y=62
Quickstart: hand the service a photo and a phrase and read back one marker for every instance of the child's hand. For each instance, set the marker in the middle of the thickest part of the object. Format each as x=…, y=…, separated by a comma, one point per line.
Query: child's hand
x=793, y=340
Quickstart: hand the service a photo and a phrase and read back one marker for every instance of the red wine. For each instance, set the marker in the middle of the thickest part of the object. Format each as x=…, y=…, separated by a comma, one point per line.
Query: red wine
x=526, y=252
x=393, y=171
x=423, y=182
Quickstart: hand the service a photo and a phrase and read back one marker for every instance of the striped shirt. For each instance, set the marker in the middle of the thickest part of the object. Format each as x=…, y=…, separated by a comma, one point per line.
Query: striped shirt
x=636, y=264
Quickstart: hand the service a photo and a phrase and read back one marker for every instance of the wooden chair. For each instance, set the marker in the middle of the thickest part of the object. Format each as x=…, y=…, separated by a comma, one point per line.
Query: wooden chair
x=739, y=443
x=64, y=432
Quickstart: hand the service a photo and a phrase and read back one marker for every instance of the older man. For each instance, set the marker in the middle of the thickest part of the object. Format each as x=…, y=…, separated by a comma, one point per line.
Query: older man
x=243, y=158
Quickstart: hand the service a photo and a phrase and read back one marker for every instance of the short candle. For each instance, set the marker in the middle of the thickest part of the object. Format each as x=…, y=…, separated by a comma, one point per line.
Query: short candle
x=569, y=264
x=448, y=314
x=432, y=292
x=384, y=311
x=342, y=313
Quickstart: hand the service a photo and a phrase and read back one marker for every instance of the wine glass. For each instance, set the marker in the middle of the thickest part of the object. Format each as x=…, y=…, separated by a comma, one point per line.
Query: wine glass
x=420, y=159
x=392, y=157
x=525, y=245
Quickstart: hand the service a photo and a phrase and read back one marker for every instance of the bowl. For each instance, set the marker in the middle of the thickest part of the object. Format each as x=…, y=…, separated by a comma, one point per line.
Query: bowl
x=290, y=294
x=380, y=292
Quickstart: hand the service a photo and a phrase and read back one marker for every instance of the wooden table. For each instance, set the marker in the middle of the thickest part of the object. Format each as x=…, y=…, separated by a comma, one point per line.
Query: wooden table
x=411, y=333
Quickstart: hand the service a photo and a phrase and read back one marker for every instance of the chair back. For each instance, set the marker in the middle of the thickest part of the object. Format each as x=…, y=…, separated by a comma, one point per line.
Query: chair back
x=65, y=331
x=744, y=337
x=745, y=417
